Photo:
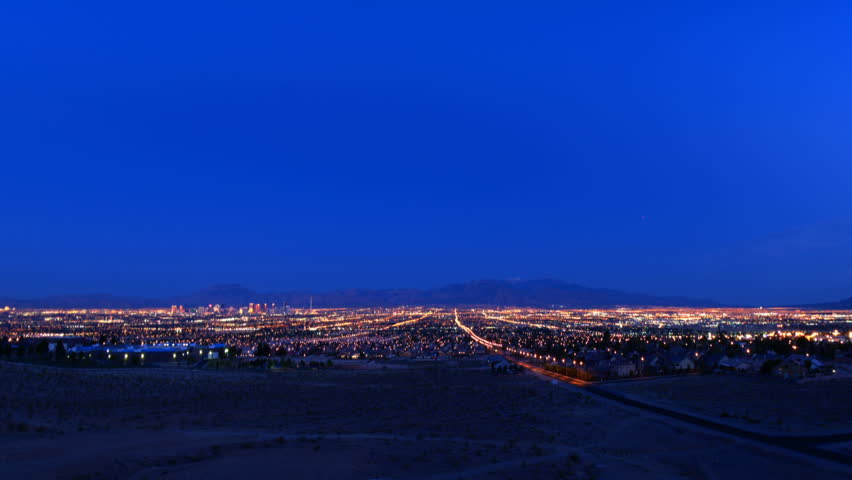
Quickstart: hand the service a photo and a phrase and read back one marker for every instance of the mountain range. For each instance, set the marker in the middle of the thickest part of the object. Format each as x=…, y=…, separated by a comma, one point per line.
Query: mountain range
x=505, y=293
x=532, y=293
x=839, y=305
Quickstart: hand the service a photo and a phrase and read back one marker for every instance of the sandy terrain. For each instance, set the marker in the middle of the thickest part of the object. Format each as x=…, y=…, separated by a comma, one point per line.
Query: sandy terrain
x=424, y=422
x=761, y=403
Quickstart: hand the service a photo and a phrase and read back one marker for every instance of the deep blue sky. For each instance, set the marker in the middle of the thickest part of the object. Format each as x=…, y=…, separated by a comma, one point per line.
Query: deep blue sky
x=690, y=148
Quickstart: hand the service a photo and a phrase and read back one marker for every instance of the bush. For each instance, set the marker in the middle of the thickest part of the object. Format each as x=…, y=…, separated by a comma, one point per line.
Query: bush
x=769, y=365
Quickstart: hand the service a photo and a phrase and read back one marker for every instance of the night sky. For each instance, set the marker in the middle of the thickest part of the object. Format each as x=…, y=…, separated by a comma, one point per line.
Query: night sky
x=681, y=148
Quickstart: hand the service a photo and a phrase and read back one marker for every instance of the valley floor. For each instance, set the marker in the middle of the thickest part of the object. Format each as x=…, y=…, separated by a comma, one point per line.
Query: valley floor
x=429, y=422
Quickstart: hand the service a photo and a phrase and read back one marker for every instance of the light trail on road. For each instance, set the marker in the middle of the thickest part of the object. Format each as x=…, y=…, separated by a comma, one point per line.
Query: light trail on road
x=474, y=336
x=808, y=445
x=408, y=322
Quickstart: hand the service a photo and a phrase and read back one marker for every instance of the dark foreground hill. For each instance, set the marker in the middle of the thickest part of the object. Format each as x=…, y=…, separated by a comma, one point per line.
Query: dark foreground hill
x=414, y=420
x=534, y=293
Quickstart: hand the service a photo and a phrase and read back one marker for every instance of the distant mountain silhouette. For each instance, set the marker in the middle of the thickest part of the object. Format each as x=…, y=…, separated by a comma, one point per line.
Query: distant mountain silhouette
x=533, y=293
x=233, y=294
x=81, y=301
x=840, y=305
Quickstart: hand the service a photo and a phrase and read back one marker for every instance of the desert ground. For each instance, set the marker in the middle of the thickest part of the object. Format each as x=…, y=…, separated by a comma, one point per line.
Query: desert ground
x=431, y=421
x=761, y=403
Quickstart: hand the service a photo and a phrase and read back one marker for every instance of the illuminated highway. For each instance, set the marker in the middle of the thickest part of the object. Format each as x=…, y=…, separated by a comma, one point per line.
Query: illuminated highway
x=808, y=445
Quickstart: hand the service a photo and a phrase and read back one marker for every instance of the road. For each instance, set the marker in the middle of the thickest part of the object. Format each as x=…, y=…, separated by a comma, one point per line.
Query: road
x=805, y=444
